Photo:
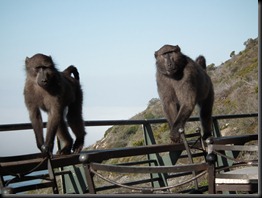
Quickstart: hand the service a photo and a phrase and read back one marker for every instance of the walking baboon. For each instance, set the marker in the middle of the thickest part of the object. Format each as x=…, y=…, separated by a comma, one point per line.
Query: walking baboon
x=182, y=83
x=52, y=91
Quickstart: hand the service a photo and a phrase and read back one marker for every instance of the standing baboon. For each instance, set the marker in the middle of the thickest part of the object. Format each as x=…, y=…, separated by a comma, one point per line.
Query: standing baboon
x=182, y=83
x=52, y=91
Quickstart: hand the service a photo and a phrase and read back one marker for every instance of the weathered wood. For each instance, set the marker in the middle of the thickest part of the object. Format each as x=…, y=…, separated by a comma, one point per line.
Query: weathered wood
x=240, y=178
x=237, y=187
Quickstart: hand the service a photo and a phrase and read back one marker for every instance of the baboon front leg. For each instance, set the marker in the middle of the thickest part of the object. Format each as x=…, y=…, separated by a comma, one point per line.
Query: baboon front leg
x=54, y=120
x=171, y=110
x=206, y=118
x=37, y=124
x=184, y=113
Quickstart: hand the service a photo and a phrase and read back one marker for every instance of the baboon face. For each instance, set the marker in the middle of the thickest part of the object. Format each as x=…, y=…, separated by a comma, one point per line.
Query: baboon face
x=168, y=60
x=45, y=76
x=42, y=68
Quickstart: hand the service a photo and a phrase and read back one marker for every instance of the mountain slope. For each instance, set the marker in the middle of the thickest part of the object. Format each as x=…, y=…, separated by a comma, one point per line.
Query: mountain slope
x=236, y=92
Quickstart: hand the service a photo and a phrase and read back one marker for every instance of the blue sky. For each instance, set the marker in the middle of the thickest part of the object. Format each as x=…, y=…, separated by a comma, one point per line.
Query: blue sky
x=112, y=42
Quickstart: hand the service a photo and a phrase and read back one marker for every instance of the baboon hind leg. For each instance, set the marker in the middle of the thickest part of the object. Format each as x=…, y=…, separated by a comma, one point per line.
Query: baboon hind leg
x=65, y=139
x=171, y=109
x=206, y=117
x=76, y=123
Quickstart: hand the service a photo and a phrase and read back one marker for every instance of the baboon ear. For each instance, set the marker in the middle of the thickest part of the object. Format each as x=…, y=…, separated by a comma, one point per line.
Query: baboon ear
x=177, y=49
x=156, y=54
x=27, y=59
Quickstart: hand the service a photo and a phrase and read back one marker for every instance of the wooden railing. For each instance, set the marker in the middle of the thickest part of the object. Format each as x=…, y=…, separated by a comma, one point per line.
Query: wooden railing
x=148, y=149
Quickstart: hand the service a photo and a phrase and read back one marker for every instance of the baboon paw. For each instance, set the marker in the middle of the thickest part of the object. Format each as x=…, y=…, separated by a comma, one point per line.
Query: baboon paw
x=64, y=151
x=176, y=140
x=175, y=137
x=78, y=146
x=78, y=149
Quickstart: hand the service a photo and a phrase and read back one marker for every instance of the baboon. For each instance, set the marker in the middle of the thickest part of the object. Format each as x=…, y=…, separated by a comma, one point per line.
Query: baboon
x=182, y=83
x=57, y=93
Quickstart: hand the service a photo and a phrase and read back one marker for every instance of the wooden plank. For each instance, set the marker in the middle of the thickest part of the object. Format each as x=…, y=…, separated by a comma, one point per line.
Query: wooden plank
x=239, y=176
x=237, y=187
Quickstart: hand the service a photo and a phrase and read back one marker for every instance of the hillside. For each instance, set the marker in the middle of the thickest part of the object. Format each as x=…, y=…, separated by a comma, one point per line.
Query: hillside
x=236, y=92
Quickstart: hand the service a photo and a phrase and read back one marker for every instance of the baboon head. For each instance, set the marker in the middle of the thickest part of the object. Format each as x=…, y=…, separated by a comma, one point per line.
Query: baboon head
x=169, y=60
x=42, y=68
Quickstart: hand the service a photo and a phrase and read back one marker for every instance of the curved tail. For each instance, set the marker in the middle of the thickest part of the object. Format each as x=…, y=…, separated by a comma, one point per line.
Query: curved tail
x=72, y=70
x=201, y=61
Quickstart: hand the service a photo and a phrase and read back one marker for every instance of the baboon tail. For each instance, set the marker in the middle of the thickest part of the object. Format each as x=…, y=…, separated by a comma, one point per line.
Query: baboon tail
x=201, y=61
x=72, y=70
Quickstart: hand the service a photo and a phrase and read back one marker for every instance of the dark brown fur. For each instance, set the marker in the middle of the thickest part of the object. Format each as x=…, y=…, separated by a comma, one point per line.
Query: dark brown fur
x=52, y=91
x=201, y=61
x=71, y=70
x=182, y=83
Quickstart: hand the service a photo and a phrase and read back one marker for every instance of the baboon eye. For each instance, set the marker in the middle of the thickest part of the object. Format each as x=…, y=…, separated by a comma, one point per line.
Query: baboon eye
x=165, y=55
x=38, y=68
x=172, y=52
